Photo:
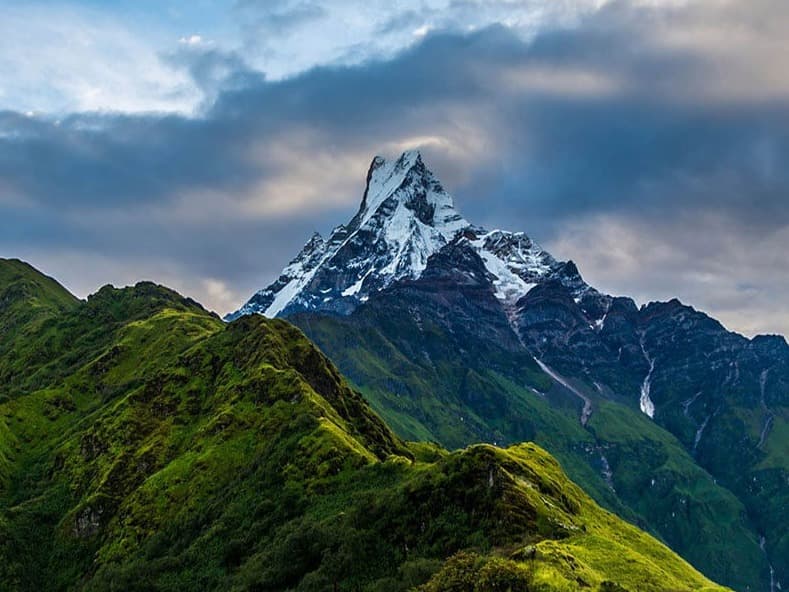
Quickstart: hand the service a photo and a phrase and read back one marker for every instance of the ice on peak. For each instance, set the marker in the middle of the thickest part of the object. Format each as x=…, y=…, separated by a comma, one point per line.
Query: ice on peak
x=515, y=260
x=405, y=161
x=407, y=183
x=410, y=157
x=388, y=174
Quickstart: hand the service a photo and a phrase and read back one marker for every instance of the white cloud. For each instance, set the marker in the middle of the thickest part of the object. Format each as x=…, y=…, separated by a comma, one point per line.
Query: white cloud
x=421, y=31
x=218, y=296
x=352, y=31
x=63, y=60
x=58, y=58
x=191, y=40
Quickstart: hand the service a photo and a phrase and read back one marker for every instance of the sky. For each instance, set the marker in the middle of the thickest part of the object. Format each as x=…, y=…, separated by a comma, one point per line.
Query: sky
x=199, y=144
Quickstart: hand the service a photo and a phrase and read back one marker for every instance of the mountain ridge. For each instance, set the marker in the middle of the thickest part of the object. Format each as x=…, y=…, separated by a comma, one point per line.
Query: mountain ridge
x=166, y=450
x=716, y=402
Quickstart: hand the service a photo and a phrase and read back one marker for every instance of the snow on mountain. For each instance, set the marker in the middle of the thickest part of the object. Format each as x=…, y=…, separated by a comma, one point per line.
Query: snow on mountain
x=405, y=217
x=517, y=263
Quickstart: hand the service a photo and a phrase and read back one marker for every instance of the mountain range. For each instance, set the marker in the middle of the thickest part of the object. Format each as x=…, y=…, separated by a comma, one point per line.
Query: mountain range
x=146, y=445
x=458, y=335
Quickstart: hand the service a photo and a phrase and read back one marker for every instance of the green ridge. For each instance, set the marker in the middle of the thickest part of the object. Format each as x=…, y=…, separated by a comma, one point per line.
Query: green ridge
x=155, y=448
x=457, y=393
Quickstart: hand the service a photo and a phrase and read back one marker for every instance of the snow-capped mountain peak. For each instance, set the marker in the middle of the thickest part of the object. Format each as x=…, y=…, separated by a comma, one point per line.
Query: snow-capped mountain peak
x=404, y=218
x=408, y=183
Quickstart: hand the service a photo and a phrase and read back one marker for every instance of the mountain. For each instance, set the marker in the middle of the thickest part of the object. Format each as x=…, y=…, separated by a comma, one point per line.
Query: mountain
x=154, y=447
x=405, y=218
x=458, y=334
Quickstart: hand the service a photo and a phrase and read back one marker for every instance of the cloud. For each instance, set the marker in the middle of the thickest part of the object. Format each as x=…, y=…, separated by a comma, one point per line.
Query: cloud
x=191, y=40
x=636, y=141
x=212, y=70
x=55, y=58
x=278, y=18
x=710, y=263
x=286, y=37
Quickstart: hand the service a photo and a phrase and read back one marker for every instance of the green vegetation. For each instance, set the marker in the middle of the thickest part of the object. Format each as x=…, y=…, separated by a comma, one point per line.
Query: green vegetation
x=145, y=445
x=661, y=482
x=441, y=386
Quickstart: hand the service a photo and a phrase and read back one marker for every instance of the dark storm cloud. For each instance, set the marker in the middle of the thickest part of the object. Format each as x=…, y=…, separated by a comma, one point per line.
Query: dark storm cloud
x=107, y=161
x=584, y=157
x=652, y=119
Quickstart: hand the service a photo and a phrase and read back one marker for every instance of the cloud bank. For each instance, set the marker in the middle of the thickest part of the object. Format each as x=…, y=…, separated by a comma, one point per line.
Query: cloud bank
x=647, y=142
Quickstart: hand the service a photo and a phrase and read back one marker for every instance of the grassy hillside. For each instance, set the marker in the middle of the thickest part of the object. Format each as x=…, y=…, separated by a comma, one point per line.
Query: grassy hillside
x=155, y=448
x=431, y=382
